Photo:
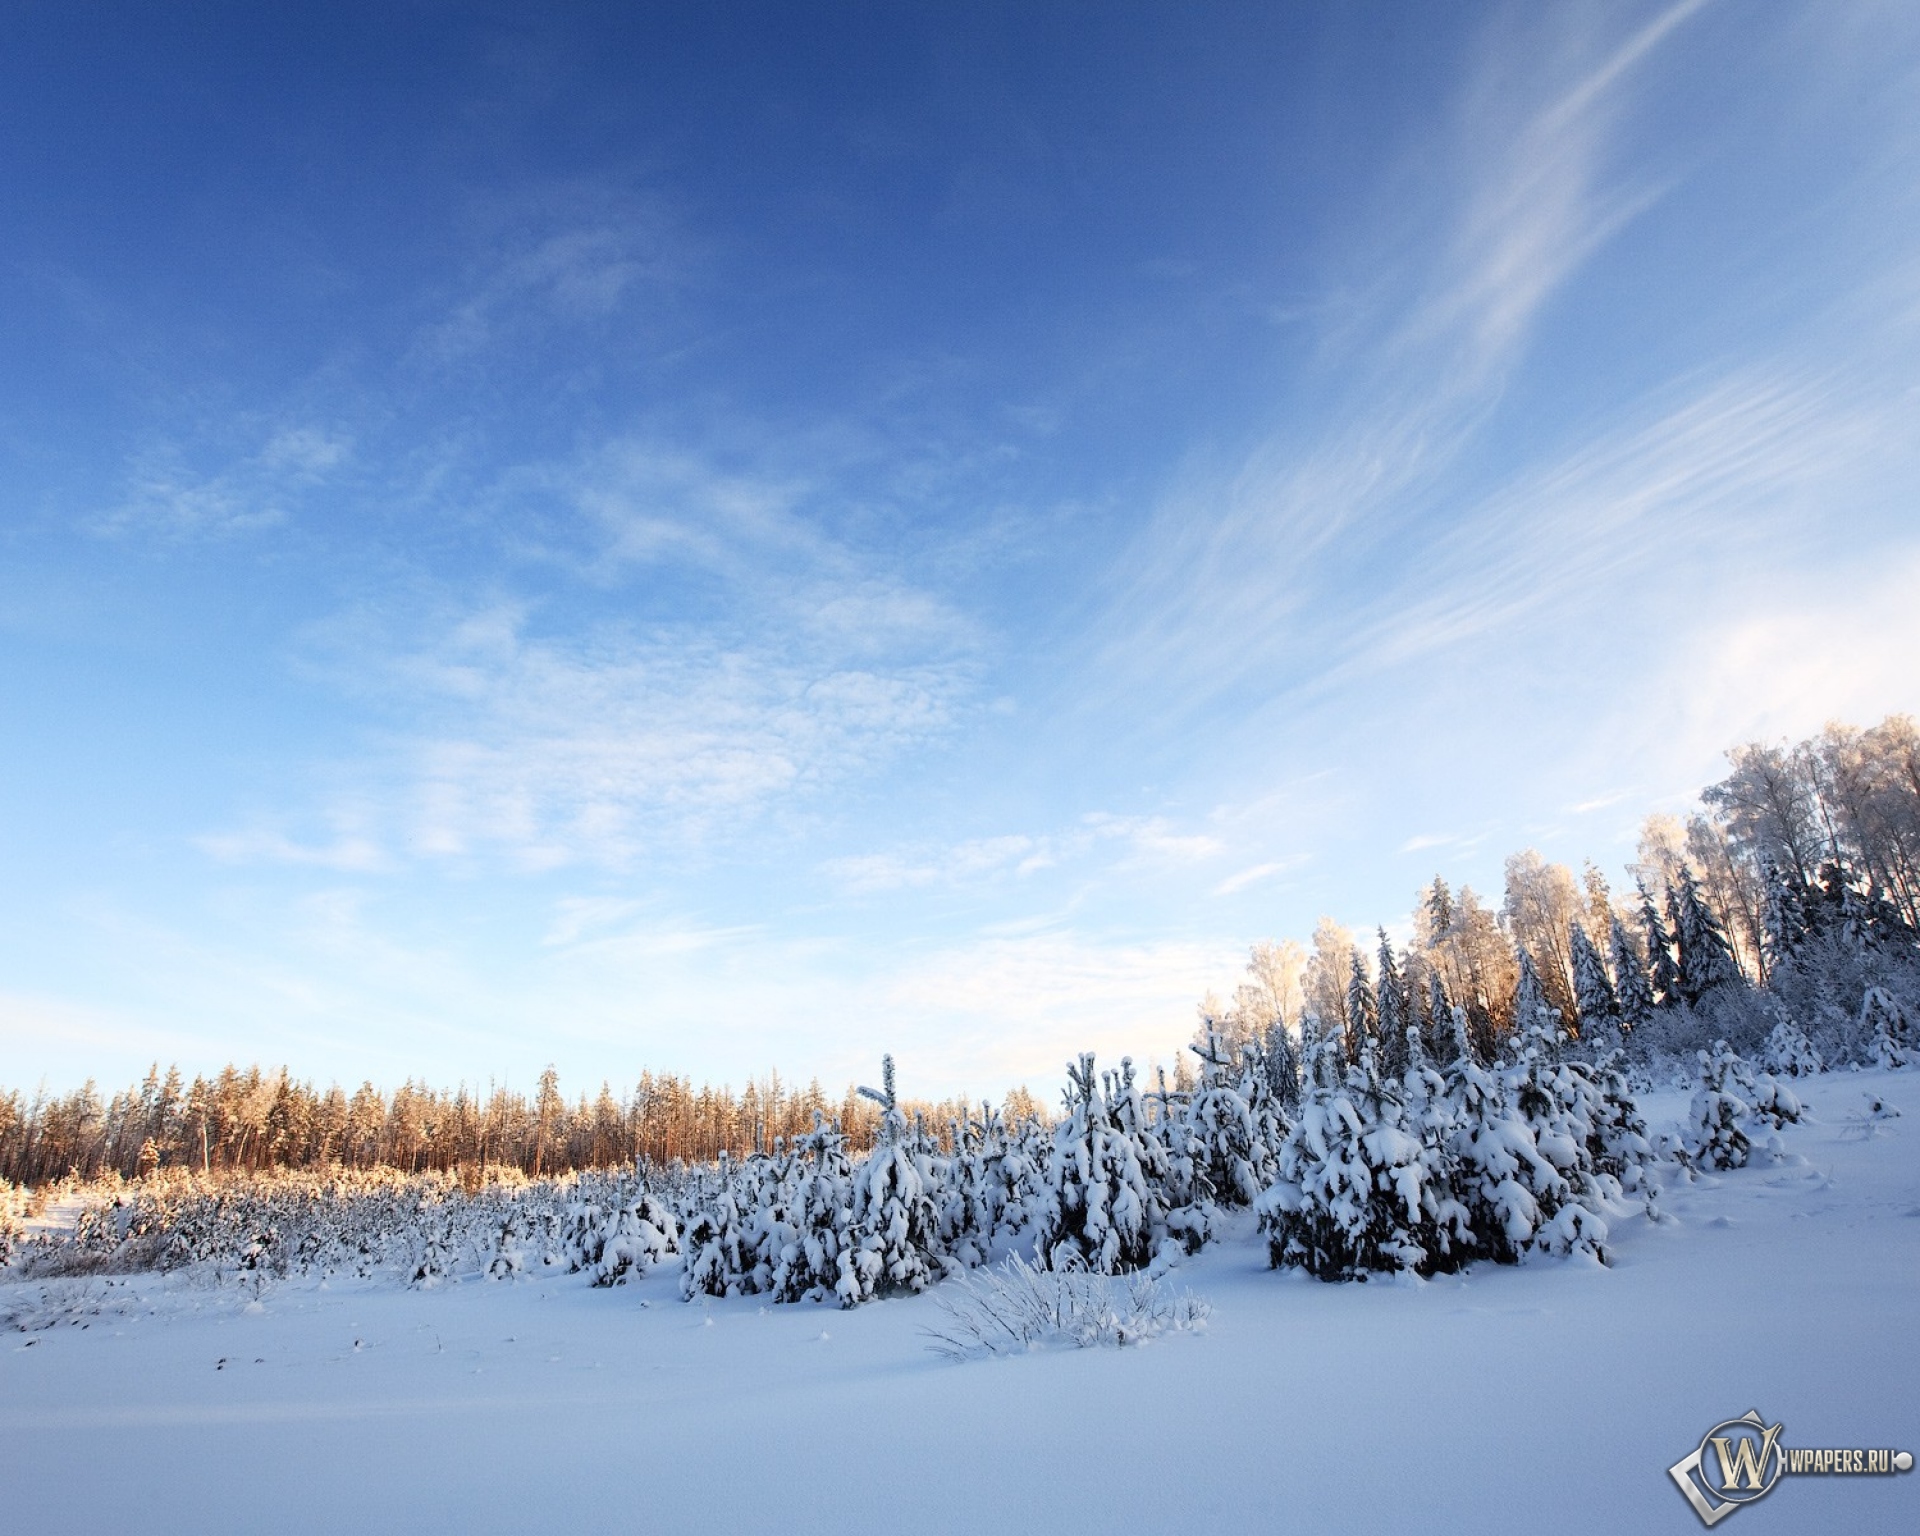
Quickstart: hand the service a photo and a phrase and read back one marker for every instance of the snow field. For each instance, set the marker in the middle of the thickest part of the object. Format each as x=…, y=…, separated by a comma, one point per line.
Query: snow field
x=1548, y=1396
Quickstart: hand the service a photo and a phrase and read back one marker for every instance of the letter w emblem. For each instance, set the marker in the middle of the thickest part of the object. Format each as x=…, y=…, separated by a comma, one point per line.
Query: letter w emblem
x=1743, y=1461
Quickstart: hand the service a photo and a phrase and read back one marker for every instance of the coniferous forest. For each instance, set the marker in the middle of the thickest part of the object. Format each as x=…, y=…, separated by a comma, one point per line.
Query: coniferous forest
x=1466, y=1095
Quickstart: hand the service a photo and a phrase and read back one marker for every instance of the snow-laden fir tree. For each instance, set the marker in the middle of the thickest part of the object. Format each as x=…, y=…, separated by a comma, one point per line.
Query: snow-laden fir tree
x=1633, y=992
x=1560, y=1104
x=817, y=1199
x=894, y=1234
x=1717, y=1136
x=1101, y=1210
x=1358, y=1190
x=1394, y=1007
x=1705, y=960
x=1363, y=1010
x=1788, y=1051
x=1510, y=1191
x=1436, y=1032
x=990, y=1184
x=622, y=1239
x=1887, y=1028
x=1594, y=1000
x=1233, y=1156
x=1531, y=1010
x=1185, y=1190
x=1786, y=924
x=1663, y=970
x=723, y=1240
x=1282, y=1064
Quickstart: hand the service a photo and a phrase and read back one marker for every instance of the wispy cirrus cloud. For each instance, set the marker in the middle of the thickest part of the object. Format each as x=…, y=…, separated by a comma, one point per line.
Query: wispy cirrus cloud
x=556, y=258
x=611, y=745
x=1256, y=874
x=1228, y=576
x=168, y=497
x=1116, y=843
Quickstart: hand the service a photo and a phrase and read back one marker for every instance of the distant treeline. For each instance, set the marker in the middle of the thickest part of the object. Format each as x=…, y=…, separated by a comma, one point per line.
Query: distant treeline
x=248, y=1120
x=1795, y=888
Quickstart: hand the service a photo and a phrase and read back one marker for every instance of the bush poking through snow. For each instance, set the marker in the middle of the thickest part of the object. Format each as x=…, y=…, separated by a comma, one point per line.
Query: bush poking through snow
x=1015, y=1307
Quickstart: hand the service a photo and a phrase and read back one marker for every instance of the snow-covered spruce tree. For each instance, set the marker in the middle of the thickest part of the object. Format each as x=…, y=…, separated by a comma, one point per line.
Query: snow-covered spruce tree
x=1232, y=1155
x=1663, y=970
x=894, y=1236
x=1787, y=924
x=640, y=1235
x=1632, y=991
x=1185, y=1190
x=1531, y=1010
x=1395, y=1009
x=819, y=1205
x=977, y=1199
x=1436, y=1032
x=1887, y=1028
x=1772, y=1102
x=1101, y=1211
x=1357, y=1191
x=1363, y=1010
x=1561, y=1106
x=1621, y=1148
x=1429, y=1118
x=1705, y=960
x=1510, y=1191
x=1594, y=1000
x=722, y=1240
x=1717, y=1136
x=1788, y=1051
x=1281, y=1062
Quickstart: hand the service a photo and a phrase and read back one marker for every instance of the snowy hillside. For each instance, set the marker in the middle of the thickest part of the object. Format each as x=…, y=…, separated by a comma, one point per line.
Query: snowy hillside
x=1551, y=1395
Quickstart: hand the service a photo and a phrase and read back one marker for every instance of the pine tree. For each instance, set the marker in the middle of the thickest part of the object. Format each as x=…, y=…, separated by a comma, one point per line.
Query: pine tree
x=1234, y=1159
x=1560, y=1105
x=809, y=1263
x=1887, y=1028
x=1717, y=1136
x=1632, y=990
x=1788, y=925
x=1706, y=960
x=1437, y=1028
x=1363, y=1010
x=1102, y=1212
x=893, y=1241
x=1282, y=1064
x=1788, y=1050
x=1509, y=1190
x=1663, y=972
x=1531, y=1010
x=1395, y=1010
x=1357, y=1192
x=1594, y=1000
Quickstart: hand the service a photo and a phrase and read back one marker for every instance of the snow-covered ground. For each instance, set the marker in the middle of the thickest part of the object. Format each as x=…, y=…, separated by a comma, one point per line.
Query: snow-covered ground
x=1546, y=1398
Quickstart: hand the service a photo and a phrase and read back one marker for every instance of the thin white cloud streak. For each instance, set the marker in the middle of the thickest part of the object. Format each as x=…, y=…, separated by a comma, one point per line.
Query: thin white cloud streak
x=786, y=663
x=613, y=746
x=165, y=498
x=1734, y=472
x=1217, y=588
x=1255, y=875
x=560, y=257
x=1121, y=843
x=352, y=853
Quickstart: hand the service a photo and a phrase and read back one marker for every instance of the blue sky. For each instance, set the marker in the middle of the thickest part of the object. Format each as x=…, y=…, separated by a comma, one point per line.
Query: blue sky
x=747, y=536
